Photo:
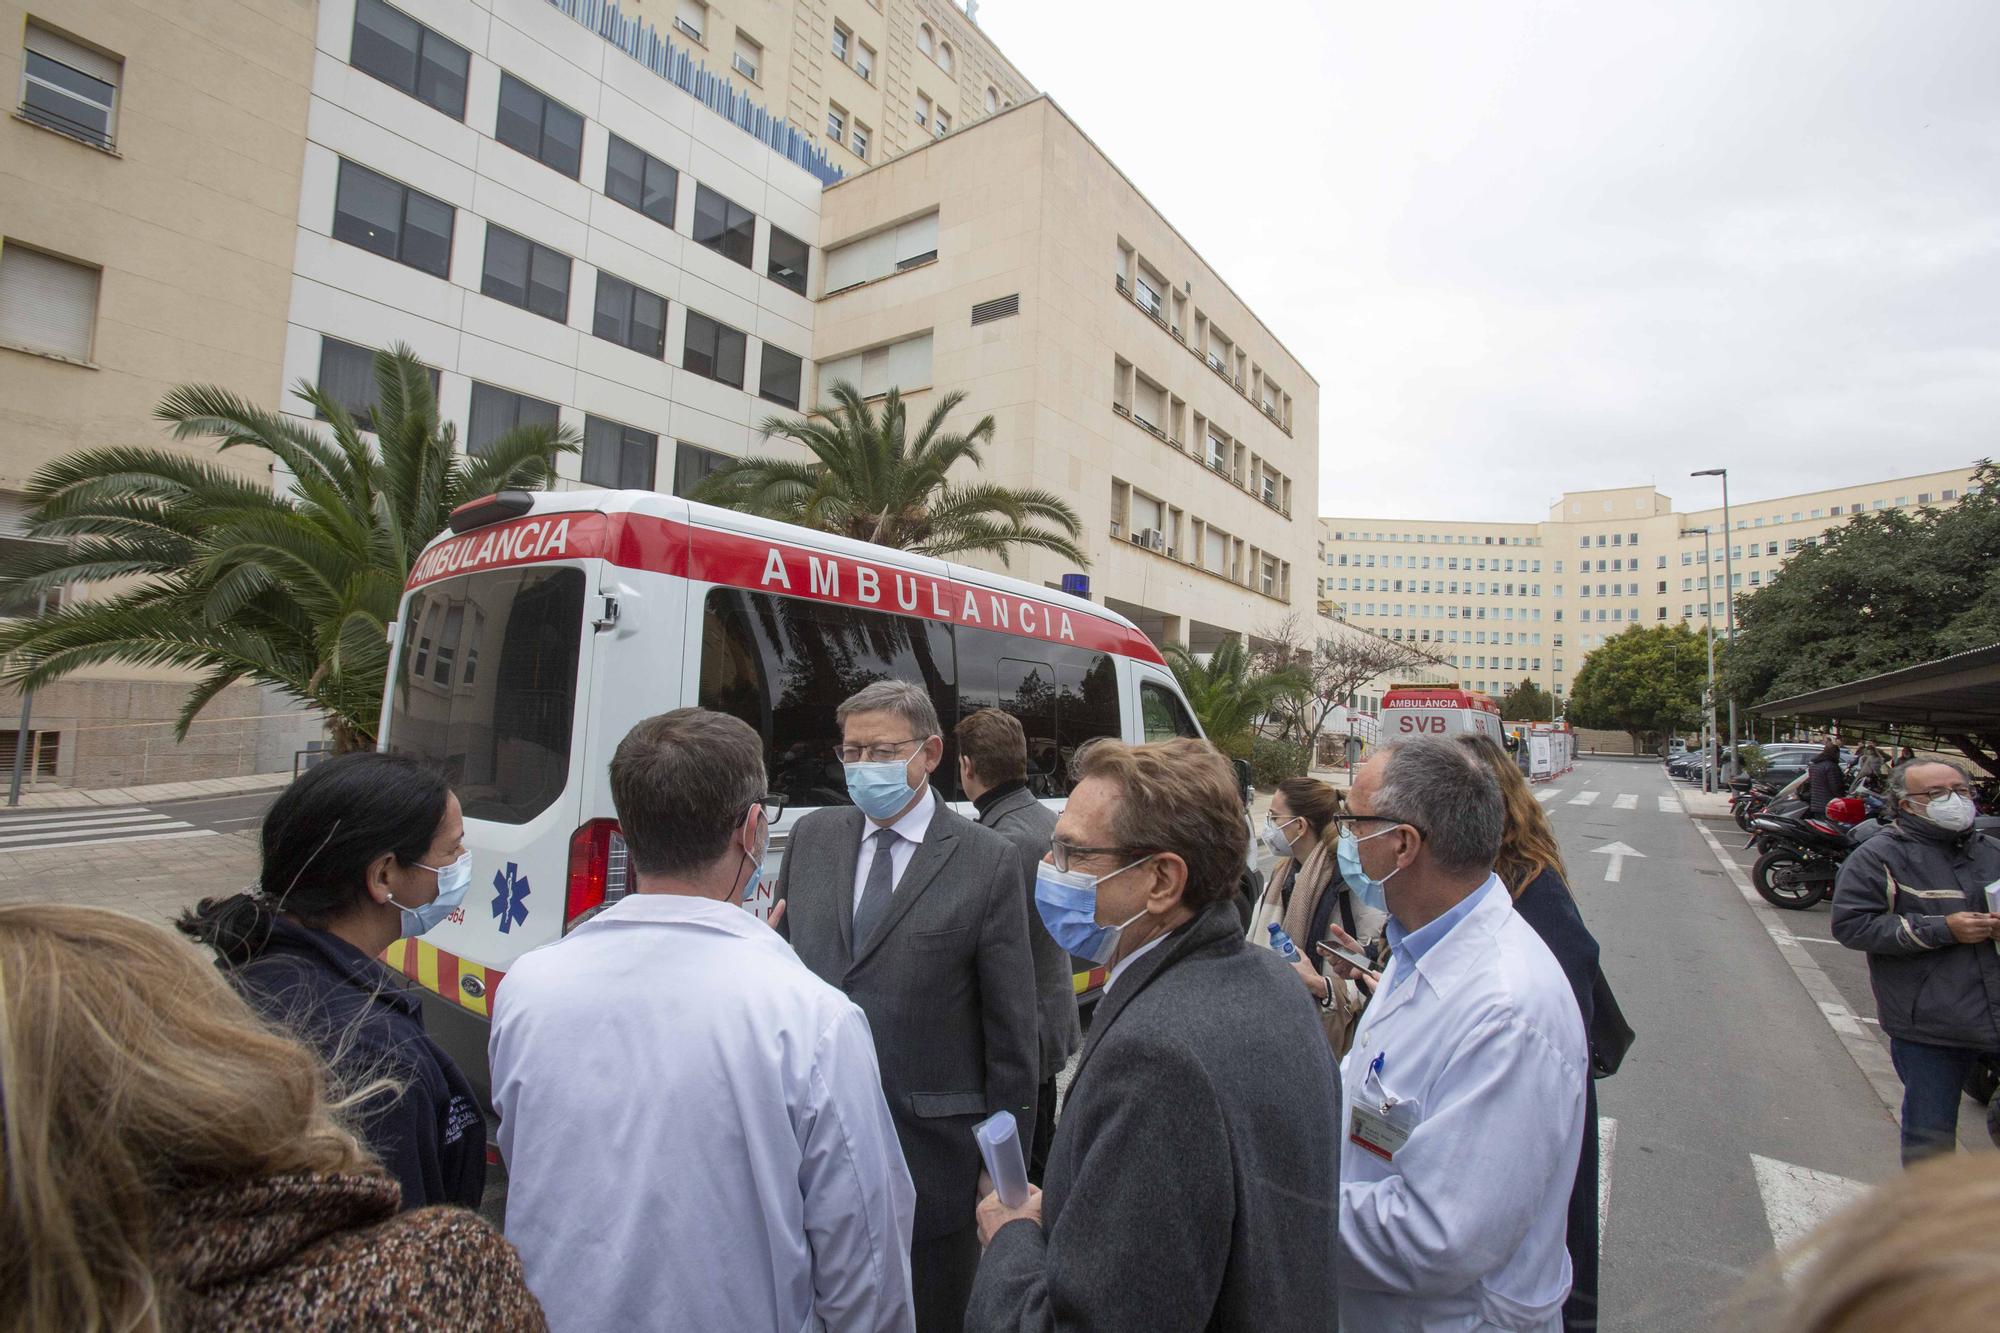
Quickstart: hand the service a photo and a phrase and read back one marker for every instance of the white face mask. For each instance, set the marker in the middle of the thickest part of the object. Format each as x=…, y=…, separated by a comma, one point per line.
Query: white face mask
x=1952, y=812
x=1275, y=837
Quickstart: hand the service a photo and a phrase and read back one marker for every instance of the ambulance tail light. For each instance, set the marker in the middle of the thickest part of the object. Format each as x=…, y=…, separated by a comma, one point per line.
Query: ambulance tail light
x=596, y=870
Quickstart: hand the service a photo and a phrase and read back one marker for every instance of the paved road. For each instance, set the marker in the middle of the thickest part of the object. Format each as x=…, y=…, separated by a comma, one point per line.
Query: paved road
x=1739, y=1117
x=102, y=826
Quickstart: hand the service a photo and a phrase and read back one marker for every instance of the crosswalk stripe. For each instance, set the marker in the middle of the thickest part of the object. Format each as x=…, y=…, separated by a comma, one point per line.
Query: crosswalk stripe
x=1669, y=806
x=1626, y=801
x=1547, y=794
x=69, y=816
x=137, y=835
x=80, y=825
x=1607, y=1139
x=1798, y=1198
x=1584, y=798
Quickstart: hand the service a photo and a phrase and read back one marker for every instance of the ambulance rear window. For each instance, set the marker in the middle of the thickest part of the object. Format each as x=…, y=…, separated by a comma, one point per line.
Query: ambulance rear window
x=485, y=686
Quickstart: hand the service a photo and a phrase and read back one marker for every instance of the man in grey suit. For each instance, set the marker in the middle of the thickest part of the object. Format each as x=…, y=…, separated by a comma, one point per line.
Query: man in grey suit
x=1195, y=1178
x=923, y=923
x=993, y=769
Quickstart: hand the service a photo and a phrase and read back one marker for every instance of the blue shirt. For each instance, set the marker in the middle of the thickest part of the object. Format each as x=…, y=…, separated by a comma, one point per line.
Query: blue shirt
x=1414, y=944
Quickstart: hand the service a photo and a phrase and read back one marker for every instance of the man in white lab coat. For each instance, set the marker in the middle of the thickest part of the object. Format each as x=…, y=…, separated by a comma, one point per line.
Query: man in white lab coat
x=1462, y=1096
x=692, y=1122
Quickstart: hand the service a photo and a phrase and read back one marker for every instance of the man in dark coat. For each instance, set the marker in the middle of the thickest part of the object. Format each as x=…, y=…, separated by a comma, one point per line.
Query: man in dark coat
x=1914, y=898
x=1194, y=1178
x=993, y=769
x=922, y=923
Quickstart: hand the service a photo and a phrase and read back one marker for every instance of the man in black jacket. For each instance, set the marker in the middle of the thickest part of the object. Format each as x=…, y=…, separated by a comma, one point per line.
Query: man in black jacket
x=1194, y=1179
x=1916, y=899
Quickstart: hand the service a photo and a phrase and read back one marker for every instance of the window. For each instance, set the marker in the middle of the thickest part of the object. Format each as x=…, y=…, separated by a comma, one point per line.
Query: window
x=836, y=123
x=404, y=54
x=905, y=365
x=394, y=221
x=749, y=57
x=347, y=376
x=778, y=381
x=864, y=61
x=788, y=261
x=526, y=274
x=925, y=41
x=691, y=17
x=923, y=109
x=640, y=181
x=944, y=56
x=861, y=141
x=618, y=456
x=47, y=304
x=544, y=129
x=723, y=225
x=992, y=99
x=943, y=123
x=842, y=39
x=44, y=749
x=496, y=411
x=713, y=350
x=694, y=465
x=888, y=251
x=630, y=316
x=68, y=87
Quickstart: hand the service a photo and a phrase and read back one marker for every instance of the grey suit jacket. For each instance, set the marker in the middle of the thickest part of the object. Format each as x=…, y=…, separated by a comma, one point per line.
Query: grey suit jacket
x=1194, y=1181
x=947, y=982
x=1028, y=824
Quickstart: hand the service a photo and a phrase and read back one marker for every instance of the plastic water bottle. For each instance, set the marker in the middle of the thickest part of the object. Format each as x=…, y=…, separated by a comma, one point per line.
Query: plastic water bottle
x=1281, y=944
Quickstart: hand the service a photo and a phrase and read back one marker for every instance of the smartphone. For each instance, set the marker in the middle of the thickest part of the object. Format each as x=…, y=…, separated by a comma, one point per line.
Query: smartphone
x=1352, y=959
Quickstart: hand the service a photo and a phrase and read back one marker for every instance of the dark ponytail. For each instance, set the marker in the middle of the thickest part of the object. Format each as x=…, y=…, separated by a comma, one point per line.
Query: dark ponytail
x=319, y=838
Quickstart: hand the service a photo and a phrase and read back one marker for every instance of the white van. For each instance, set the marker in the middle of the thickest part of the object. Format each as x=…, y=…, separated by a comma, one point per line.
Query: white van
x=1411, y=711
x=535, y=633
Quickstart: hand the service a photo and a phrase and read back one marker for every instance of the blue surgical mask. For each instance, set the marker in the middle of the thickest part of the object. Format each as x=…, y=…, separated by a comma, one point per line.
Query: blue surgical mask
x=1067, y=901
x=1347, y=854
x=453, y=881
x=880, y=790
x=757, y=869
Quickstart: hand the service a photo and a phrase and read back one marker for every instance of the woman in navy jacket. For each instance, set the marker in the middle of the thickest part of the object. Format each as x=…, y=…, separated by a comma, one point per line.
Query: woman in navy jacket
x=361, y=851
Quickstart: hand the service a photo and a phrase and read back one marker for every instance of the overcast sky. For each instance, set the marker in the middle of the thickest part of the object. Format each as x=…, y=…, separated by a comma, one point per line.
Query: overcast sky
x=1528, y=247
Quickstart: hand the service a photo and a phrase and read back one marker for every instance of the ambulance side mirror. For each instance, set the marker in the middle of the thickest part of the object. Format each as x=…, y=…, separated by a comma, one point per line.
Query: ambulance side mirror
x=1242, y=767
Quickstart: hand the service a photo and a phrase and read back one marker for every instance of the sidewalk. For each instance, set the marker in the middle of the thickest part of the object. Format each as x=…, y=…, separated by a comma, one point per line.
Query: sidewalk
x=1704, y=804
x=152, y=879
x=153, y=794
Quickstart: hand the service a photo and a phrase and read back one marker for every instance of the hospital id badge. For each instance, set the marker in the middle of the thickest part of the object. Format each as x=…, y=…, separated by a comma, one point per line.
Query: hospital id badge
x=1373, y=1129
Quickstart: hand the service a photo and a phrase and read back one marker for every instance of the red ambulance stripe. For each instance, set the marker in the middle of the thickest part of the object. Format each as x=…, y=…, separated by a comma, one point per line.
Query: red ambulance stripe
x=448, y=977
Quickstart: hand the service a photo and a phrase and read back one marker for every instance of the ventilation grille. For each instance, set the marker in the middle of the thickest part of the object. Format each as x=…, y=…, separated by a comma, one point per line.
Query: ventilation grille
x=1000, y=307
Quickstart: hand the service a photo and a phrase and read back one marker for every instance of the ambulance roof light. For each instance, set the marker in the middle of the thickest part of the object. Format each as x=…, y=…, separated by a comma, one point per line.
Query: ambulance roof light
x=491, y=509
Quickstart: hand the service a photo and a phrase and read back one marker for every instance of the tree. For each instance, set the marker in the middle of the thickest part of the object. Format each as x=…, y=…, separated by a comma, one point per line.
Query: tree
x=1644, y=681
x=1528, y=702
x=1884, y=590
x=1331, y=670
x=867, y=480
x=1226, y=692
x=227, y=577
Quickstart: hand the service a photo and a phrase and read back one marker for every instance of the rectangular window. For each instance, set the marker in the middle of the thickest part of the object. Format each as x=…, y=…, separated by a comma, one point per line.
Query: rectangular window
x=392, y=220
x=68, y=87
x=905, y=365
x=621, y=457
x=842, y=40
x=347, y=376
x=836, y=123
x=891, y=250
x=713, y=350
x=630, y=316
x=923, y=109
x=861, y=141
x=406, y=55
x=789, y=260
x=640, y=181
x=778, y=381
x=694, y=465
x=47, y=304
x=864, y=61
x=749, y=57
x=691, y=17
x=524, y=273
x=943, y=123
x=496, y=411
x=723, y=225
x=533, y=123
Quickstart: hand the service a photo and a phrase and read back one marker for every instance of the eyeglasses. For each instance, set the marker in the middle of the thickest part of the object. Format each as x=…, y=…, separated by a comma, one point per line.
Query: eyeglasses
x=879, y=753
x=1378, y=819
x=1062, y=853
x=773, y=807
x=1956, y=789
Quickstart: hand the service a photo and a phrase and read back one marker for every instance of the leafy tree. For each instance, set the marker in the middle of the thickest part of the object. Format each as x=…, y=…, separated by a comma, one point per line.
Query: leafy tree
x=1228, y=694
x=223, y=575
x=1645, y=681
x=1884, y=590
x=1528, y=702
x=869, y=481
x=1332, y=669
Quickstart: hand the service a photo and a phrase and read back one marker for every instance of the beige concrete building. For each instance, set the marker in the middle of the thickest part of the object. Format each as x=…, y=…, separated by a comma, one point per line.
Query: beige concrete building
x=149, y=179
x=1508, y=601
x=1016, y=263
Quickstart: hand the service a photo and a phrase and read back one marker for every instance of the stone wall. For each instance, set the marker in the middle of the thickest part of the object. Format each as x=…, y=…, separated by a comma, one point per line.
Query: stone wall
x=1605, y=742
x=120, y=733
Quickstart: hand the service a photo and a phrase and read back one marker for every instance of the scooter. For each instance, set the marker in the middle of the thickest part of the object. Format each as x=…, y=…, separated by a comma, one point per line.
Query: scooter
x=1801, y=855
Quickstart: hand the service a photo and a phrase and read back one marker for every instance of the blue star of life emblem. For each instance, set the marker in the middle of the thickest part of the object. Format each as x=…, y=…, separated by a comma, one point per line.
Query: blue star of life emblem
x=510, y=888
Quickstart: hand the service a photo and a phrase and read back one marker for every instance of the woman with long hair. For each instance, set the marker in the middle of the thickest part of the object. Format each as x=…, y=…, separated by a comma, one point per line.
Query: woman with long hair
x=173, y=1161
x=1530, y=864
x=361, y=851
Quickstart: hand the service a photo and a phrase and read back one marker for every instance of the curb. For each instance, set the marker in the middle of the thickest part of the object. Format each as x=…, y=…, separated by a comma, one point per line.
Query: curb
x=152, y=794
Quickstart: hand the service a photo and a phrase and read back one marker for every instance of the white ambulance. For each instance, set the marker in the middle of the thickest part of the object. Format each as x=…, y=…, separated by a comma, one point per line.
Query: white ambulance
x=1412, y=711
x=535, y=633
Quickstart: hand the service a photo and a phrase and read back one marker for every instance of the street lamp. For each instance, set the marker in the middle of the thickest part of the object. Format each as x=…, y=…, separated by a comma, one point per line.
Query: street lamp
x=1708, y=711
x=1728, y=587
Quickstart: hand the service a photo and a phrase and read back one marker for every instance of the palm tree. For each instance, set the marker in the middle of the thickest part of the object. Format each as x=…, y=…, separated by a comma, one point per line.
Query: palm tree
x=868, y=481
x=224, y=575
x=1225, y=692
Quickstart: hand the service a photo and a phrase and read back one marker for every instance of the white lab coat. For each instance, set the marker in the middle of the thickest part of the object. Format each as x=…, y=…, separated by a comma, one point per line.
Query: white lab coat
x=1482, y=1053
x=694, y=1131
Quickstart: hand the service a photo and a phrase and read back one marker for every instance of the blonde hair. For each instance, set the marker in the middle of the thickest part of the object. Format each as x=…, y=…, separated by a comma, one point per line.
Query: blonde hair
x=1915, y=1252
x=1528, y=845
x=130, y=1072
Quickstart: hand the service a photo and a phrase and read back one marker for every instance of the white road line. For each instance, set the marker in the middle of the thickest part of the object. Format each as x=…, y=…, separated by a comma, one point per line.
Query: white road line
x=101, y=834
x=1798, y=1198
x=1584, y=798
x=1625, y=802
x=1670, y=806
x=1607, y=1139
x=81, y=825
x=104, y=842
x=71, y=816
x=1547, y=794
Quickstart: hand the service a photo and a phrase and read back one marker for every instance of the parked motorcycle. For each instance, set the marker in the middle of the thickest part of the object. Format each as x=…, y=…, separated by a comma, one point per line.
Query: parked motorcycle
x=1802, y=854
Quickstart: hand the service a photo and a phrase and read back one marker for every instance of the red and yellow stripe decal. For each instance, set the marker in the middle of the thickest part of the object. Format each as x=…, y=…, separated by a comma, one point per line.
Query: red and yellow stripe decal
x=1083, y=982
x=445, y=974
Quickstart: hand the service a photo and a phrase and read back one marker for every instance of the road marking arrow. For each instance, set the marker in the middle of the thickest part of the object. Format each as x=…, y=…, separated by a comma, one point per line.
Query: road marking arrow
x=1617, y=851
